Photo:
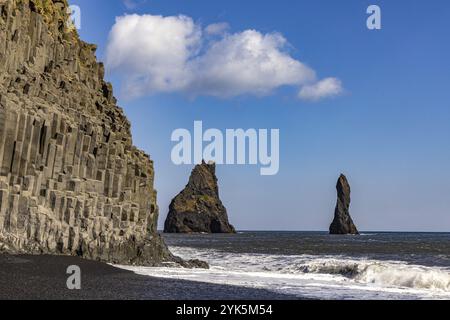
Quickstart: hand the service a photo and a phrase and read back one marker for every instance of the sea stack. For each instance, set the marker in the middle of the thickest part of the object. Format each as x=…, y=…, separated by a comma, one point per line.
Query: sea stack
x=343, y=223
x=198, y=208
x=71, y=180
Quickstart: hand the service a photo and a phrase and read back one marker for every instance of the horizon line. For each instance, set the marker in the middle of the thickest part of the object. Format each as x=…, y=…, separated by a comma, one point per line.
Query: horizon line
x=318, y=231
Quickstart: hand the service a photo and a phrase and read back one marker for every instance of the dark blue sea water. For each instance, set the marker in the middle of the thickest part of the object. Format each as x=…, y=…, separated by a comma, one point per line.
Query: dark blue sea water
x=428, y=249
x=374, y=265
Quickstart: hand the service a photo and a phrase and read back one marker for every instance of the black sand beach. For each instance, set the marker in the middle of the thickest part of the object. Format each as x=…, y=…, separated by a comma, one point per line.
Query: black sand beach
x=44, y=278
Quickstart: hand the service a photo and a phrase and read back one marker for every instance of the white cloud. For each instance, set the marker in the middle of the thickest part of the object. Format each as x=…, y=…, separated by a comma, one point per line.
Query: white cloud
x=152, y=51
x=247, y=63
x=217, y=28
x=174, y=54
x=329, y=87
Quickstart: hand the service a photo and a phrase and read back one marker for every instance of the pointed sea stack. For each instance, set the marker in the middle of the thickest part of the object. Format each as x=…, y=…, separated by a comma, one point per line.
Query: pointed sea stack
x=343, y=223
x=198, y=208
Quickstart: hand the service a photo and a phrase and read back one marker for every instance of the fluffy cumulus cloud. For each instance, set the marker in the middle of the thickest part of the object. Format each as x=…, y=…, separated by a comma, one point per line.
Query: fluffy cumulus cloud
x=159, y=54
x=246, y=63
x=153, y=52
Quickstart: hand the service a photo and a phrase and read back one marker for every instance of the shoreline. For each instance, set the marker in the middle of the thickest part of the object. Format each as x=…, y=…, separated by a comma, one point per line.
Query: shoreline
x=43, y=277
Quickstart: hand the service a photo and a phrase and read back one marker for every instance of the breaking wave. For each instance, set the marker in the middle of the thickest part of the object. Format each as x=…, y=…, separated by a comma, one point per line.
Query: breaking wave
x=383, y=273
x=323, y=277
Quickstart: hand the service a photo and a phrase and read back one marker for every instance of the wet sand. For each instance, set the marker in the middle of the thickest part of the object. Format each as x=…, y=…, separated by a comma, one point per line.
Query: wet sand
x=44, y=278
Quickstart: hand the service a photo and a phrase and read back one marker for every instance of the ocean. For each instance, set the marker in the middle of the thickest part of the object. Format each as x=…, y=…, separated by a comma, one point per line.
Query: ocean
x=315, y=265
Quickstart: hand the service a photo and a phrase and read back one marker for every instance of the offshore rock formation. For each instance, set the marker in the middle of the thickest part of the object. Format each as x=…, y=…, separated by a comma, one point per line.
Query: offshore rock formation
x=198, y=208
x=71, y=182
x=343, y=223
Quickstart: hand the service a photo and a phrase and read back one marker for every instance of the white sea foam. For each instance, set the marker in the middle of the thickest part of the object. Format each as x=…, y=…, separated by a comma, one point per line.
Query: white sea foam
x=327, y=277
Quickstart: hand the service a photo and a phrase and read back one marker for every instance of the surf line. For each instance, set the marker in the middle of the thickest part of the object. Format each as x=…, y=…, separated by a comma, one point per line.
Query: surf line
x=235, y=146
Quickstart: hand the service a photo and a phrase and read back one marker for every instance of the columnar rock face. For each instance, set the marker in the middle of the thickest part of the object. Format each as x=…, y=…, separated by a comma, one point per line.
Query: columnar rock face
x=71, y=182
x=198, y=208
x=343, y=223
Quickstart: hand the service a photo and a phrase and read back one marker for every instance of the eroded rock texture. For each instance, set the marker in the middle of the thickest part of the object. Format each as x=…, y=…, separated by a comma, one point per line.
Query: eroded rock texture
x=198, y=208
x=71, y=182
x=343, y=223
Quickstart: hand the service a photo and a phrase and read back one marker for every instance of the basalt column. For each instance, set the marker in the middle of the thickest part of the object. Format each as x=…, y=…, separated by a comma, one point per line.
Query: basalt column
x=71, y=181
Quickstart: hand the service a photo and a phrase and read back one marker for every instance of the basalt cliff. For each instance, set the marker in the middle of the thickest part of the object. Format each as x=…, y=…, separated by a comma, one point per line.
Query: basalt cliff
x=343, y=223
x=71, y=181
x=198, y=208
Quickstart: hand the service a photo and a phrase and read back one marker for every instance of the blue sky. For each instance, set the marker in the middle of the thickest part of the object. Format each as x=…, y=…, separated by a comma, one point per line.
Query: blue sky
x=388, y=130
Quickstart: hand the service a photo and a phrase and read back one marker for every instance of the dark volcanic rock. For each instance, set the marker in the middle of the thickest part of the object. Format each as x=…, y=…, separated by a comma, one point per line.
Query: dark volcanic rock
x=71, y=180
x=198, y=208
x=343, y=223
